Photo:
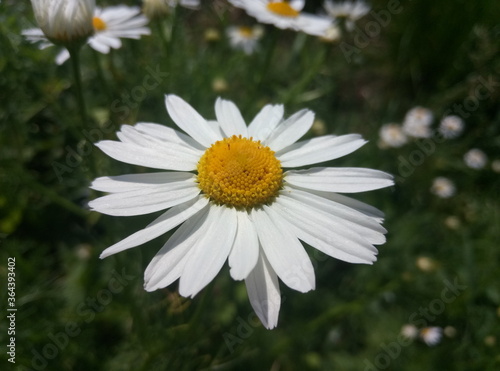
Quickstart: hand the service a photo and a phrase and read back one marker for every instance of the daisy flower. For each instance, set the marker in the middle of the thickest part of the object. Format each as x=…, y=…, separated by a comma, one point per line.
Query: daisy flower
x=443, y=187
x=110, y=24
x=245, y=38
x=431, y=335
x=475, y=159
x=285, y=14
x=229, y=188
x=391, y=135
x=349, y=11
x=64, y=22
x=417, y=122
x=451, y=126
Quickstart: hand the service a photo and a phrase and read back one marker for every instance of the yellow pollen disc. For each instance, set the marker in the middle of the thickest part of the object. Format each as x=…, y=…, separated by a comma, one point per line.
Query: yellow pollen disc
x=246, y=32
x=282, y=8
x=99, y=24
x=239, y=172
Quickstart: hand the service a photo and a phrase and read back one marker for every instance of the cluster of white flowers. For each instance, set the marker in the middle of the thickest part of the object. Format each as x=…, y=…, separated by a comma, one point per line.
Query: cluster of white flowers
x=430, y=335
x=418, y=124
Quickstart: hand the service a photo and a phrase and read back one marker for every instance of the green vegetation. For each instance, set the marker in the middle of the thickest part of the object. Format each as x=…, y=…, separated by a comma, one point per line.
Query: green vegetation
x=439, y=267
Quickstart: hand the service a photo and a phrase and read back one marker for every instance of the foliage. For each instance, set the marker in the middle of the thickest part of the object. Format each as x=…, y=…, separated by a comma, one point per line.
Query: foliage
x=76, y=312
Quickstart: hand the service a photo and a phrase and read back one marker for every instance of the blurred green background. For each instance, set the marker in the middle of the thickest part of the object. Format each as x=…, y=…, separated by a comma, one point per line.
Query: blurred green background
x=77, y=312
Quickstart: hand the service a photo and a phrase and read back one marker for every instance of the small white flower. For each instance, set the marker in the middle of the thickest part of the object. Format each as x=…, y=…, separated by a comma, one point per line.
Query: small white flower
x=431, y=335
x=425, y=264
x=65, y=21
x=391, y=135
x=451, y=126
x=443, y=187
x=232, y=191
x=350, y=11
x=109, y=25
x=285, y=14
x=115, y=22
x=409, y=331
x=417, y=122
x=245, y=38
x=475, y=159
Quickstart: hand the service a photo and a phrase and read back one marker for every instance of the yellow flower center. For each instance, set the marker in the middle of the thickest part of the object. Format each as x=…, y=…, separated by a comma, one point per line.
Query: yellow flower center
x=283, y=8
x=239, y=172
x=246, y=32
x=99, y=24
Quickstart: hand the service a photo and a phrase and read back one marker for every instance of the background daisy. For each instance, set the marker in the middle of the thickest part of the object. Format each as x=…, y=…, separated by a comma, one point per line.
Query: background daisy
x=245, y=38
x=347, y=11
x=285, y=14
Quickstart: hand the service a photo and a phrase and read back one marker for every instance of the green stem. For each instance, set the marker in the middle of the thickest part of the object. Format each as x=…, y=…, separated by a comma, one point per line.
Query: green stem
x=75, y=61
x=100, y=75
x=310, y=74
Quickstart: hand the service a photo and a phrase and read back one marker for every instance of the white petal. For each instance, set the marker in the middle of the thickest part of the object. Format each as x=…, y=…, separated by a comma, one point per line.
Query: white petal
x=367, y=227
x=333, y=240
x=190, y=121
x=168, y=263
x=347, y=180
x=169, y=158
x=265, y=122
x=319, y=149
x=229, y=118
x=146, y=200
x=131, y=134
x=264, y=292
x=283, y=250
x=62, y=57
x=291, y=130
x=245, y=251
x=132, y=182
x=167, y=134
x=362, y=207
x=166, y=222
x=209, y=254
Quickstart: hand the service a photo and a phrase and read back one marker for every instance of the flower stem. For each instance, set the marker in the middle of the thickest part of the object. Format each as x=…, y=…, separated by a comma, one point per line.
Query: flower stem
x=75, y=61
